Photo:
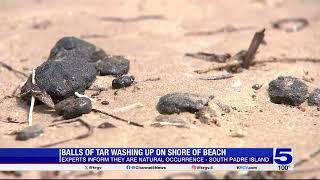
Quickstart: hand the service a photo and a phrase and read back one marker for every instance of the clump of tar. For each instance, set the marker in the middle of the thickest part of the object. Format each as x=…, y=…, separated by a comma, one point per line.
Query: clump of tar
x=181, y=102
x=122, y=82
x=287, y=90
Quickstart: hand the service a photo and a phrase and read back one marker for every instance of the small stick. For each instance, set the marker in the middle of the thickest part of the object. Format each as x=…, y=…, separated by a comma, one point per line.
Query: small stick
x=254, y=45
x=288, y=60
x=13, y=70
x=225, y=29
x=118, y=118
x=213, y=67
x=129, y=107
x=312, y=155
x=211, y=57
x=63, y=122
x=160, y=124
x=217, y=77
x=33, y=81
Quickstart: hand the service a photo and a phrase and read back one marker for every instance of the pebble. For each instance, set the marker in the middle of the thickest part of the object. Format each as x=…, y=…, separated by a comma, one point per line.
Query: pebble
x=181, y=102
x=30, y=132
x=73, y=107
x=314, y=98
x=169, y=120
x=113, y=65
x=288, y=90
x=122, y=82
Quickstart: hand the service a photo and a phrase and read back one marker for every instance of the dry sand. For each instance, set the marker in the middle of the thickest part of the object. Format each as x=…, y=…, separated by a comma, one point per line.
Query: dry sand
x=156, y=49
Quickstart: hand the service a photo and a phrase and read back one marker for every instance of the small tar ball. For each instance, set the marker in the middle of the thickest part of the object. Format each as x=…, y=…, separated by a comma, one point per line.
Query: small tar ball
x=122, y=82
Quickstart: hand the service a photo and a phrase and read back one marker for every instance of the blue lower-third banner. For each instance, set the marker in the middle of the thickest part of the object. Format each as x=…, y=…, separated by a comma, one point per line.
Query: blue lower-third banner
x=146, y=159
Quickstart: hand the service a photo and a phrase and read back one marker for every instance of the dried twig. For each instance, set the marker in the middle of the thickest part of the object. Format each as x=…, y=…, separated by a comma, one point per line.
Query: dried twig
x=33, y=81
x=225, y=29
x=241, y=59
x=254, y=45
x=10, y=120
x=217, y=77
x=82, y=136
x=176, y=124
x=288, y=60
x=8, y=67
x=62, y=121
x=133, y=19
x=211, y=57
x=311, y=156
x=230, y=64
x=129, y=107
x=118, y=118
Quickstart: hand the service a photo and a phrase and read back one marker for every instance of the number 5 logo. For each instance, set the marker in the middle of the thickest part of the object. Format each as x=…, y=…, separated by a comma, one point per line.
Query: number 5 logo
x=283, y=156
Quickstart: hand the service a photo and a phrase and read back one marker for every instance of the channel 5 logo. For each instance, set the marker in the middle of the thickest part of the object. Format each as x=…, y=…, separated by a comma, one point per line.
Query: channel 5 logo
x=283, y=156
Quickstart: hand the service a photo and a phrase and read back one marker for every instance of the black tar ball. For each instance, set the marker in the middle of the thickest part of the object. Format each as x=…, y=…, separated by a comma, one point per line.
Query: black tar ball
x=122, y=82
x=288, y=90
x=68, y=44
x=64, y=76
x=29, y=132
x=181, y=102
x=314, y=98
x=113, y=65
x=74, y=107
x=68, y=69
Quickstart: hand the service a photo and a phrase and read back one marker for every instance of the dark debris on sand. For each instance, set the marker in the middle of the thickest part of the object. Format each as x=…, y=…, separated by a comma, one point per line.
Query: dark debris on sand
x=181, y=102
x=113, y=65
x=29, y=132
x=314, y=98
x=287, y=90
x=122, y=82
x=73, y=107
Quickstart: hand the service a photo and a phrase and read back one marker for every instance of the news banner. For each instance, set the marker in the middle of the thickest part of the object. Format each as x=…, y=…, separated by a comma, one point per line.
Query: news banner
x=104, y=159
